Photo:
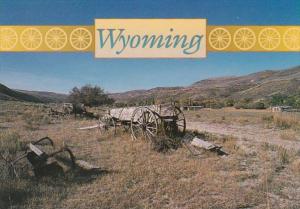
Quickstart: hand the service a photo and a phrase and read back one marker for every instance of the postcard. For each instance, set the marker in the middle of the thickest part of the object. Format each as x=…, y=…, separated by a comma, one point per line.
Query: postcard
x=139, y=104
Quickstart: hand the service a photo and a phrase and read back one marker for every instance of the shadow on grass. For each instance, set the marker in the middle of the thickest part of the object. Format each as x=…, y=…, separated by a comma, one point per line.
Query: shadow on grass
x=80, y=176
x=17, y=193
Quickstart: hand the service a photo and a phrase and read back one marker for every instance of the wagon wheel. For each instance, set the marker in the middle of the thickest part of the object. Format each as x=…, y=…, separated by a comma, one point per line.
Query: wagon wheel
x=143, y=124
x=108, y=122
x=180, y=121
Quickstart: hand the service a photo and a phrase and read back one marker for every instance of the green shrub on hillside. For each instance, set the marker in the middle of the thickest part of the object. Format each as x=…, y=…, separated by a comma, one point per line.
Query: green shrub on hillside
x=289, y=100
x=250, y=105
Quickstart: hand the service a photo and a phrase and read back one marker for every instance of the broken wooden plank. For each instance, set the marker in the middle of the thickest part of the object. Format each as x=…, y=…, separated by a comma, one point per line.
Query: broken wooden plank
x=36, y=150
x=203, y=144
x=200, y=143
x=85, y=165
x=89, y=127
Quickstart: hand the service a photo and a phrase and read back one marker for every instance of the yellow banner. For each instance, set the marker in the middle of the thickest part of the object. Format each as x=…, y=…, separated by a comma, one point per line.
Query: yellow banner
x=52, y=38
x=253, y=38
x=219, y=38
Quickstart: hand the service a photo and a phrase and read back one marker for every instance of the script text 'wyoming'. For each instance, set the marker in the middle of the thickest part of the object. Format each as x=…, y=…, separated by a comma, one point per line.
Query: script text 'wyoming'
x=150, y=38
x=119, y=41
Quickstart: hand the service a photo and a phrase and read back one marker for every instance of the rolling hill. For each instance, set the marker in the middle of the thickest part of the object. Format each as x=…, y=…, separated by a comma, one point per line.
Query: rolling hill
x=255, y=86
x=30, y=96
x=47, y=97
x=9, y=94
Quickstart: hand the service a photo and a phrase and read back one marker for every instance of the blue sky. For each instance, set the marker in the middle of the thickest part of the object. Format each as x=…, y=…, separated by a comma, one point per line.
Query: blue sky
x=59, y=72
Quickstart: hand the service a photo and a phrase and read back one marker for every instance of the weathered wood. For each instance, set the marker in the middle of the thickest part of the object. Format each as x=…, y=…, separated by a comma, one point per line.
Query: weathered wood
x=122, y=114
x=127, y=112
x=208, y=146
x=85, y=165
x=89, y=127
x=203, y=144
x=36, y=150
x=140, y=117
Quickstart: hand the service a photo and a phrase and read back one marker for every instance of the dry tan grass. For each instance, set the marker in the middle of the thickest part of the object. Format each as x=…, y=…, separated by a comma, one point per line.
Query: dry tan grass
x=228, y=115
x=284, y=120
x=287, y=120
x=136, y=176
x=289, y=135
x=295, y=166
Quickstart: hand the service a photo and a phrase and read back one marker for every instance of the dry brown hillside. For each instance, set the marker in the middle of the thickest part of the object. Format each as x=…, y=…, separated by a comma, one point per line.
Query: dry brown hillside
x=256, y=85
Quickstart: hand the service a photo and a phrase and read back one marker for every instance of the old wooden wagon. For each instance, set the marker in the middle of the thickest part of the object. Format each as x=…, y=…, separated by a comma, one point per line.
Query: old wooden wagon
x=148, y=121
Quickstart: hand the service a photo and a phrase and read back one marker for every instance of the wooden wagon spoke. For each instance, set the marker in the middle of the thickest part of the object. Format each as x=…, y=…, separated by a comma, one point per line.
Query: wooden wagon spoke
x=150, y=123
x=140, y=122
x=183, y=120
x=180, y=125
x=149, y=127
x=145, y=117
x=136, y=124
x=150, y=135
x=148, y=131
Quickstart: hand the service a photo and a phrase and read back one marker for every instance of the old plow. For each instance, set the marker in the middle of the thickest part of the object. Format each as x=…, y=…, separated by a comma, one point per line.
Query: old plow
x=46, y=163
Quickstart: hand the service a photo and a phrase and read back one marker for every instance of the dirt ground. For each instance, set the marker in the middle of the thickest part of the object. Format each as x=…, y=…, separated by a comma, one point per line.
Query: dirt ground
x=261, y=171
x=247, y=126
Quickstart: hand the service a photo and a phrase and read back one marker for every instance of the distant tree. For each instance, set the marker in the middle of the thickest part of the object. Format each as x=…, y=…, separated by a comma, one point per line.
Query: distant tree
x=290, y=100
x=90, y=96
x=278, y=99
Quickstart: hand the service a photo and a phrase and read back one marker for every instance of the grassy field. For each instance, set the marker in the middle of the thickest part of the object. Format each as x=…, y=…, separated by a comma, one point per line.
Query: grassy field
x=245, y=117
x=134, y=175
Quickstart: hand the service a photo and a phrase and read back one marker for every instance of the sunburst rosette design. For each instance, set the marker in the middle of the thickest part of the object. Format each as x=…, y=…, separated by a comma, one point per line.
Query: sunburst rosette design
x=31, y=39
x=244, y=39
x=269, y=38
x=291, y=39
x=81, y=39
x=56, y=38
x=219, y=38
x=8, y=39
